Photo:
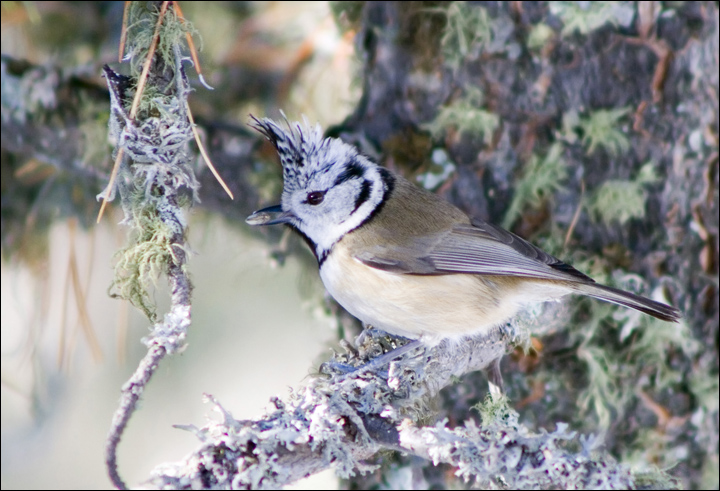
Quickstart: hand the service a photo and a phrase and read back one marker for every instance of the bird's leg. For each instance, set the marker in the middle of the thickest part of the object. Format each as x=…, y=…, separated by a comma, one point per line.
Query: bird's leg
x=367, y=331
x=494, y=376
x=349, y=348
x=377, y=362
x=386, y=358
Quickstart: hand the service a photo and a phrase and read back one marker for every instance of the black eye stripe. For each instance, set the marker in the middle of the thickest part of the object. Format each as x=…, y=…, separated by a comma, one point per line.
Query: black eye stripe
x=352, y=169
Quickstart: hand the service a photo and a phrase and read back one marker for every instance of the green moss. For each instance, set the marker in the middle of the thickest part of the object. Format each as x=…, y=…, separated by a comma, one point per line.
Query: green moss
x=585, y=17
x=542, y=177
x=619, y=201
x=495, y=409
x=653, y=451
x=619, y=347
x=654, y=340
x=467, y=116
x=142, y=18
x=604, y=394
x=153, y=99
x=468, y=29
x=705, y=387
x=655, y=479
x=140, y=264
x=600, y=129
x=539, y=35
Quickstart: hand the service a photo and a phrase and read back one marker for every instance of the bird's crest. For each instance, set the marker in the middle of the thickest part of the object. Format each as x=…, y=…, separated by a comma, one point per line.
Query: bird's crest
x=303, y=150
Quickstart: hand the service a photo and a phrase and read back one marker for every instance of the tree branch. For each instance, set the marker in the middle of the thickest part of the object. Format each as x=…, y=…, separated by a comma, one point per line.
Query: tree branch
x=338, y=421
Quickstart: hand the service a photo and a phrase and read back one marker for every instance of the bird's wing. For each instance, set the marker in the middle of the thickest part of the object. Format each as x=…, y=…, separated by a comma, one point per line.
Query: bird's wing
x=476, y=248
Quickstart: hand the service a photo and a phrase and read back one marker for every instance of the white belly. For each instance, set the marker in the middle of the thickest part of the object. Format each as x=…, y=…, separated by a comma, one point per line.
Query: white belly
x=432, y=307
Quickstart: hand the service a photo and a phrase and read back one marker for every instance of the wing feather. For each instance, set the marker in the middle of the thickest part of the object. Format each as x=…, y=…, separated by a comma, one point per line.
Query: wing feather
x=475, y=248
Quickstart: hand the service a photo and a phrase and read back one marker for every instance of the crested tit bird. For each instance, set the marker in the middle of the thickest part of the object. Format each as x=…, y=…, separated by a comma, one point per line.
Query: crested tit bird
x=406, y=261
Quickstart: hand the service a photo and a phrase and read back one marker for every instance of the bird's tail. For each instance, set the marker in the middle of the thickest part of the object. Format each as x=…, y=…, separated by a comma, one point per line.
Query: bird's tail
x=627, y=299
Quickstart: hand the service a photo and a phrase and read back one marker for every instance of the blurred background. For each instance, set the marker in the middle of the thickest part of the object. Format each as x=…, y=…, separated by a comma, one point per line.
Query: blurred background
x=67, y=347
x=590, y=128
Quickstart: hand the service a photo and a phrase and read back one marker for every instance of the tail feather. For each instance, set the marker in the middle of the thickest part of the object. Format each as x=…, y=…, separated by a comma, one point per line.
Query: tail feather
x=627, y=299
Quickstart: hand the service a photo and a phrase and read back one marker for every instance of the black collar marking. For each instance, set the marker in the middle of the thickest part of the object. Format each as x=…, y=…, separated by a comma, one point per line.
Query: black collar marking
x=388, y=181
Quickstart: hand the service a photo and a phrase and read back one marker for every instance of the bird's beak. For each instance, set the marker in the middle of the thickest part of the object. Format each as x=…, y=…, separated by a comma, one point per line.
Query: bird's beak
x=271, y=215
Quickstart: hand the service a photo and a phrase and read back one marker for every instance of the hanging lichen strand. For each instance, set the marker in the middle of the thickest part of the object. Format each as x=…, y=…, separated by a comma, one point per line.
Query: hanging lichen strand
x=155, y=179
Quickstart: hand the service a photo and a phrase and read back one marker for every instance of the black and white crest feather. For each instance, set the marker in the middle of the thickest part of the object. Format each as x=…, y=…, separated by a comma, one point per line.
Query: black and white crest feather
x=302, y=149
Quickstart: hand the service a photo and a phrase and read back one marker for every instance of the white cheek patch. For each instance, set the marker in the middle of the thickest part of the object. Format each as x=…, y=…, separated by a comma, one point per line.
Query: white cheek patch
x=341, y=213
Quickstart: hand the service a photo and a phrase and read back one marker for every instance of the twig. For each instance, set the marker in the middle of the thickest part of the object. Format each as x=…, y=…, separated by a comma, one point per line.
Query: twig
x=576, y=215
x=167, y=337
x=81, y=299
x=193, y=50
x=128, y=402
x=201, y=147
x=123, y=35
x=198, y=69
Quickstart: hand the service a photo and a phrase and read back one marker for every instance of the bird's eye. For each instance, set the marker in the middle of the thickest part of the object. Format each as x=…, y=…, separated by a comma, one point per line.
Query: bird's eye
x=316, y=197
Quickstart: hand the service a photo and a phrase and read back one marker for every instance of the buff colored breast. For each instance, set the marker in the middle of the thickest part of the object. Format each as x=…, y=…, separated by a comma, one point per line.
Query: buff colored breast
x=431, y=307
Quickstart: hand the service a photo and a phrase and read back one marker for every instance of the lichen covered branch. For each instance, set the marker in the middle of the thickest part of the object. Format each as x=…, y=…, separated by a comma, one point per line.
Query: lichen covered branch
x=339, y=421
x=155, y=183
